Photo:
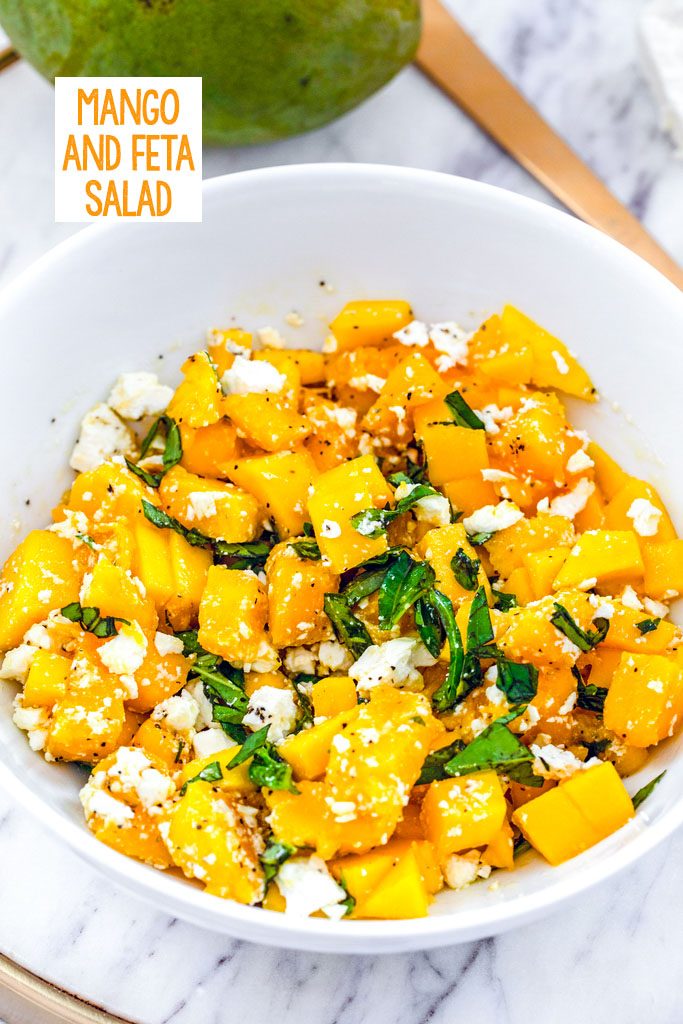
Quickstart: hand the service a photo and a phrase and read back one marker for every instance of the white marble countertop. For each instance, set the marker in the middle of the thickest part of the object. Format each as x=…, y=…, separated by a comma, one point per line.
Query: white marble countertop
x=616, y=953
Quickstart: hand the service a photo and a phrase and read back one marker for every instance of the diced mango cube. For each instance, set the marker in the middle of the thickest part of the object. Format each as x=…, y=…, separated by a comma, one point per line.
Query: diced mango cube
x=645, y=699
x=113, y=591
x=663, y=569
x=604, y=556
x=464, y=812
x=215, y=508
x=553, y=364
x=46, y=680
x=333, y=695
x=232, y=616
x=280, y=484
x=369, y=322
x=198, y=400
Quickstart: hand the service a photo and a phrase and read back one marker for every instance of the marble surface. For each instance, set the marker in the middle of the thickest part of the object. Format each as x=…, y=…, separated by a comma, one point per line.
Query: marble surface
x=616, y=953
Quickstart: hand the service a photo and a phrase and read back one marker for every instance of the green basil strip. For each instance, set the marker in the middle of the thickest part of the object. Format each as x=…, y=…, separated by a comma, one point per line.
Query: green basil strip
x=173, y=448
x=519, y=682
x=364, y=584
x=479, y=538
x=463, y=415
x=151, y=479
x=648, y=625
x=498, y=749
x=450, y=692
x=274, y=855
x=503, y=602
x=590, y=697
x=249, y=747
x=228, y=700
x=157, y=517
x=306, y=549
x=479, y=628
x=433, y=768
x=91, y=620
x=211, y=773
x=429, y=625
x=584, y=640
x=465, y=569
x=269, y=770
x=243, y=554
x=348, y=629
x=645, y=790
x=520, y=846
x=404, y=582
x=372, y=522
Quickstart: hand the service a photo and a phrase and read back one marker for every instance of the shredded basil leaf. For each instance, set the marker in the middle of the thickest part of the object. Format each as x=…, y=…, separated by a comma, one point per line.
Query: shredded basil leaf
x=274, y=855
x=429, y=624
x=433, y=768
x=503, y=602
x=350, y=901
x=364, y=584
x=101, y=626
x=151, y=479
x=404, y=583
x=373, y=522
x=589, y=697
x=226, y=695
x=644, y=792
x=519, y=682
x=498, y=749
x=173, y=448
x=463, y=415
x=450, y=692
x=479, y=538
x=596, y=747
x=479, y=628
x=348, y=629
x=585, y=640
x=465, y=569
x=648, y=625
x=157, y=517
x=520, y=846
x=242, y=554
x=306, y=549
x=211, y=773
x=268, y=769
x=249, y=747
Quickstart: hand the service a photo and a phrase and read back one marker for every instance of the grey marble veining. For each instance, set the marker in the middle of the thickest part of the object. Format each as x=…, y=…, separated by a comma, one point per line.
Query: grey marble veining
x=614, y=954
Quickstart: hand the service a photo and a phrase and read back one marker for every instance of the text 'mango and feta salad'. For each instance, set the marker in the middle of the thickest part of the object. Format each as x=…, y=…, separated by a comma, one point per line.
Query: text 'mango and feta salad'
x=335, y=629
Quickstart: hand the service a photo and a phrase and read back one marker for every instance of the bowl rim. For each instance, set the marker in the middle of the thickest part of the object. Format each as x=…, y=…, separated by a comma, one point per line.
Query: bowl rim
x=171, y=894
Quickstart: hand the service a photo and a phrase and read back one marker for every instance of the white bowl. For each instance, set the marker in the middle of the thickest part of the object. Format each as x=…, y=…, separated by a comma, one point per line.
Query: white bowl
x=115, y=298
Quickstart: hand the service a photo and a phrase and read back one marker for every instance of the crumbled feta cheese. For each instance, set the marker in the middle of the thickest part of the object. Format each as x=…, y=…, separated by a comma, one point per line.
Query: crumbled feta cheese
x=270, y=337
x=273, y=707
x=395, y=662
x=343, y=417
x=415, y=334
x=102, y=436
x=17, y=662
x=133, y=772
x=491, y=415
x=196, y=690
x=554, y=762
x=492, y=518
x=139, y=394
x=368, y=382
x=329, y=528
x=202, y=504
x=73, y=527
x=299, y=660
x=333, y=656
x=33, y=721
x=216, y=336
x=247, y=377
x=496, y=476
x=570, y=504
x=211, y=741
x=165, y=644
x=434, y=509
x=179, y=712
x=630, y=599
x=656, y=608
x=494, y=695
x=98, y=803
x=267, y=659
x=579, y=462
x=125, y=652
x=307, y=886
x=452, y=342
x=645, y=517
x=460, y=871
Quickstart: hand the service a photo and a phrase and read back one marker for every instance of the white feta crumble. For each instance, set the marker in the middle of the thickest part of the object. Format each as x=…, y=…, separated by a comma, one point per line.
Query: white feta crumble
x=216, y=336
x=656, y=608
x=165, y=644
x=492, y=518
x=17, y=662
x=434, y=509
x=630, y=599
x=33, y=721
x=333, y=656
x=368, y=382
x=205, y=714
x=273, y=707
x=553, y=762
x=299, y=660
x=459, y=871
x=416, y=333
x=97, y=802
x=270, y=337
x=570, y=504
x=74, y=526
x=496, y=476
x=491, y=415
x=179, y=712
x=645, y=517
x=139, y=394
x=307, y=886
x=247, y=377
x=202, y=504
x=125, y=652
x=579, y=462
x=211, y=741
x=452, y=342
x=102, y=436
x=395, y=662
x=329, y=528
x=344, y=417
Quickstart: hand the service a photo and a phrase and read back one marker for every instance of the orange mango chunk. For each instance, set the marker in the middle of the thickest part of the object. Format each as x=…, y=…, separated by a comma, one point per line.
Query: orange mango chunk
x=333, y=695
x=216, y=509
x=604, y=556
x=645, y=699
x=232, y=617
x=280, y=484
x=369, y=322
x=461, y=813
x=553, y=364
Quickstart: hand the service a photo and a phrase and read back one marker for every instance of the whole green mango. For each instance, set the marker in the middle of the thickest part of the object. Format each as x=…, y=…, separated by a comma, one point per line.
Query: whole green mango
x=271, y=68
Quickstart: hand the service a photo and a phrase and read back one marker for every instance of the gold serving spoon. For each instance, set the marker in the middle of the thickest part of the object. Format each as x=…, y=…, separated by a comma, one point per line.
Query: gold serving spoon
x=451, y=58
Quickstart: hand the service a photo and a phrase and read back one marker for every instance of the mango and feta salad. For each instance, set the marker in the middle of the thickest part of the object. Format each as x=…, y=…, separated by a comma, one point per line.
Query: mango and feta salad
x=332, y=630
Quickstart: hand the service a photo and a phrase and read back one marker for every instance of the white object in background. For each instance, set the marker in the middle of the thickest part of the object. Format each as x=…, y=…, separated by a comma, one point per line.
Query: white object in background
x=661, y=33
